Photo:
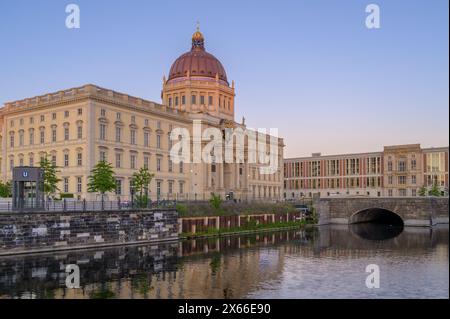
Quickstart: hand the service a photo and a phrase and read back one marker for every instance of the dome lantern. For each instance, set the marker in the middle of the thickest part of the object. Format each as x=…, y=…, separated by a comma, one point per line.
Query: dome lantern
x=198, y=41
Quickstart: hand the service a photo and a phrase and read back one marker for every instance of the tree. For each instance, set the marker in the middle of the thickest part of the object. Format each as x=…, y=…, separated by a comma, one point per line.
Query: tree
x=435, y=190
x=423, y=191
x=102, y=179
x=5, y=189
x=141, y=181
x=50, y=179
x=216, y=202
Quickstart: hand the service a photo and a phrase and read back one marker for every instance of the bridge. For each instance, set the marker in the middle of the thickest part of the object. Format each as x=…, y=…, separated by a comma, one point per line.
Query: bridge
x=405, y=211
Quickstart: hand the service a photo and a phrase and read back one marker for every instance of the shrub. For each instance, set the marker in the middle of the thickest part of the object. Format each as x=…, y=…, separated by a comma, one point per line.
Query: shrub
x=215, y=202
x=182, y=210
x=66, y=195
x=435, y=191
x=5, y=189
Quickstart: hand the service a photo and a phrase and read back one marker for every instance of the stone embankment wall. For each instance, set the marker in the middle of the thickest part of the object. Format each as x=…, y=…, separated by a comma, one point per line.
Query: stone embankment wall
x=50, y=231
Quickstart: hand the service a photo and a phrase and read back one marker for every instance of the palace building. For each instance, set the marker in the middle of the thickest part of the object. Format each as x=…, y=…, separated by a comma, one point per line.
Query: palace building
x=399, y=170
x=78, y=127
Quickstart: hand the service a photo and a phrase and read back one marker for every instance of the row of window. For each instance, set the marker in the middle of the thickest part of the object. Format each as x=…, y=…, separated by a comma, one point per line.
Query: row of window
x=435, y=179
x=265, y=177
x=436, y=162
x=351, y=166
x=370, y=182
x=265, y=191
x=309, y=194
x=31, y=160
x=79, y=184
x=42, y=140
x=119, y=186
x=401, y=192
x=402, y=179
x=224, y=102
x=133, y=120
x=402, y=165
x=42, y=117
x=133, y=136
x=118, y=161
x=159, y=185
x=390, y=193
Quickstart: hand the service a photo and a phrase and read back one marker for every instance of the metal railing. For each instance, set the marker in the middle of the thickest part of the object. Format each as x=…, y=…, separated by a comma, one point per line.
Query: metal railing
x=124, y=202
x=65, y=205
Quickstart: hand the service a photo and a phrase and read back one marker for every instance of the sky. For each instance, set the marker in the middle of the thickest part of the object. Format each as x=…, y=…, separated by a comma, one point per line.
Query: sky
x=310, y=68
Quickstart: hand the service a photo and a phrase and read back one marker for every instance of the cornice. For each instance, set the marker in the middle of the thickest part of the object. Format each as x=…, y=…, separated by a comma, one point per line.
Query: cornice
x=94, y=93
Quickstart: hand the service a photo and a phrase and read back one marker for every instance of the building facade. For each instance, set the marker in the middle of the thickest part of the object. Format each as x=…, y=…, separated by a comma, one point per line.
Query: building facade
x=78, y=127
x=399, y=170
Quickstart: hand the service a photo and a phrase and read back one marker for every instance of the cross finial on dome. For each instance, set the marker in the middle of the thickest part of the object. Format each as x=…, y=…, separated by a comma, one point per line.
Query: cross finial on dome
x=198, y=25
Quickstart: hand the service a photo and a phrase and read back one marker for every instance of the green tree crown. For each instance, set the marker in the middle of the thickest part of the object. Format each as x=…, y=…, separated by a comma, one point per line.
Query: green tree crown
x=423, y=191
x=102, y=178
x=435, y=190
x=51, y=180
x=5, y=189
x=141, y=182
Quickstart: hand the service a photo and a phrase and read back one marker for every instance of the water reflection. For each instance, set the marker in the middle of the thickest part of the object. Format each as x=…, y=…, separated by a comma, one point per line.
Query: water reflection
x=313, y=263
x=375, y=231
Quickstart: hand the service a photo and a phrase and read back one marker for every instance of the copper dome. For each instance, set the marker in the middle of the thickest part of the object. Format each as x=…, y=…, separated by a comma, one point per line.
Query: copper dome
x=197, y=62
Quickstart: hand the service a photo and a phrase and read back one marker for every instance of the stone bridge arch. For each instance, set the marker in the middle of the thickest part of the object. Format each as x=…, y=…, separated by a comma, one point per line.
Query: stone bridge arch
x=376, y=215
x=413, y=211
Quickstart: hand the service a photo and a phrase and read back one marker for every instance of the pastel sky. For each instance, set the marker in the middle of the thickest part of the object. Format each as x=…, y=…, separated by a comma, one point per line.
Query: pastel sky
x=309, y=68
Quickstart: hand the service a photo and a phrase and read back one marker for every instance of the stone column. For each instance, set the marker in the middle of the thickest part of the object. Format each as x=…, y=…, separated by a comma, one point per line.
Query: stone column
x=221, y=175
x=208, y=175
x=5, y=140
x=237, y=179
x=90, y=136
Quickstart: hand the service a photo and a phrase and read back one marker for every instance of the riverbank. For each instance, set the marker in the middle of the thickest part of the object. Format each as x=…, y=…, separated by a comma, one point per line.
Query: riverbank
x=230, y=208
x=212, y=232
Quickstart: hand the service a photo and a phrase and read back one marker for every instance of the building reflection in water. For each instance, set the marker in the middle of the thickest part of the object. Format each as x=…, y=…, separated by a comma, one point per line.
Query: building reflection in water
x=227, y=267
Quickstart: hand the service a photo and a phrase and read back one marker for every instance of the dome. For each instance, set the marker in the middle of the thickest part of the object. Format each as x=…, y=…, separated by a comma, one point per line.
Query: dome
x=197, y=62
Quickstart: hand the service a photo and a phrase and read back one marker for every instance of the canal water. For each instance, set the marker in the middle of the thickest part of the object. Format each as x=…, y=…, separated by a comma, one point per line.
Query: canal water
x=322, y=262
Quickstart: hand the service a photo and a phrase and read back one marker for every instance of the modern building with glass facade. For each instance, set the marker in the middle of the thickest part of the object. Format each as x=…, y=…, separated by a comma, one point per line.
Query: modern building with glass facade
x=399, y=170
